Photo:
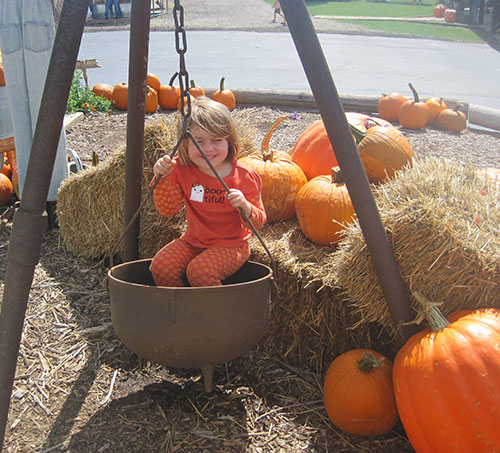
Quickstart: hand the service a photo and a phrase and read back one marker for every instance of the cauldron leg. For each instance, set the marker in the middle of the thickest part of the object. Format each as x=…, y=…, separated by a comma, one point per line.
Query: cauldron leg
x=208, y=377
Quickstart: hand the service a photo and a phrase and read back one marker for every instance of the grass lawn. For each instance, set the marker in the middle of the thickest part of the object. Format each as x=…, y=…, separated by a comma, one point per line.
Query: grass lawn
x=367, y=8
x=431, y=31
x=394, y=8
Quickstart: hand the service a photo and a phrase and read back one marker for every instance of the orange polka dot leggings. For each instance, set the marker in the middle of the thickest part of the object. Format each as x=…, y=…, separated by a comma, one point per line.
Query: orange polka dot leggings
x=203, y=267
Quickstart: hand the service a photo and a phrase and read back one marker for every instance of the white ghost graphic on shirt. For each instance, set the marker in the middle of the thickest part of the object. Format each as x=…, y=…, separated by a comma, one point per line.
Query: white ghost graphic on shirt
x=197, y=192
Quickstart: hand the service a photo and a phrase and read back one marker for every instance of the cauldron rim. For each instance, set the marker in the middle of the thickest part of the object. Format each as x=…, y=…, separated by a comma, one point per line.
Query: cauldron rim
x=268, y=275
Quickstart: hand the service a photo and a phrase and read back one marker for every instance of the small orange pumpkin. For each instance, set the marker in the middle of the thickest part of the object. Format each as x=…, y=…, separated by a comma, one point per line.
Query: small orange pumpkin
x=413, y=114
x=151, y=100
x=2, y=75
x=185, y=100
x=224, y=96
x=11, y=155
x=439, y=10
x=195, y=90
x=450, y=15
x=120, y=96
x=388, y=106
x=281, y=178
x=6, y=189
x=168, y=96
x=324, y=208
x=153, y=81
x=6, y=168
x=104, y=90
x=358, y=394
x=434, y=106
x=452, y=120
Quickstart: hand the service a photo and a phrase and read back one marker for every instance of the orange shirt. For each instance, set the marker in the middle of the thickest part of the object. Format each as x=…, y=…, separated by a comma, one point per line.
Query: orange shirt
x=211, y=220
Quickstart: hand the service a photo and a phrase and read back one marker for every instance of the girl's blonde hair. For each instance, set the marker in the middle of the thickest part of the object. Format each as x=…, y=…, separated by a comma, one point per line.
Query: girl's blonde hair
x=214, y=118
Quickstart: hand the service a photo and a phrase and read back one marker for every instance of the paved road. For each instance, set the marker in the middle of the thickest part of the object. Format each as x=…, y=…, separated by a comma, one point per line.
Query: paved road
x=359, y=64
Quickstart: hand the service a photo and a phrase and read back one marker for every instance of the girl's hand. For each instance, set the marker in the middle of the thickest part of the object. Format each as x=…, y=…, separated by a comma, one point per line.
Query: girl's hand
x=238, y=201
x=164, y=166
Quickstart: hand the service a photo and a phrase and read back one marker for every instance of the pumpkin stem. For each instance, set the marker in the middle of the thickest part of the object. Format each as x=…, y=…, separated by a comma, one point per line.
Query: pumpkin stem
x=95, y=159
x=358, y=134
x=171, y=81
x=337, y=176
x=368, y=362
x=431, y=313
x=266, y=152
x=458, y=107
x=414, y=91
x=221, y=85
x=192, y=83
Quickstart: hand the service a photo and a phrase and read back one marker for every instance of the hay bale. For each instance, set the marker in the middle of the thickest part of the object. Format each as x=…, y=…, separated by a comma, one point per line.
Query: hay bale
x=444, y=222
x=90, y=205
x=310, y=321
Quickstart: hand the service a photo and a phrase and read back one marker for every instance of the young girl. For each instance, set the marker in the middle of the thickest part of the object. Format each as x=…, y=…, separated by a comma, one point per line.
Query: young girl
x=215, y=243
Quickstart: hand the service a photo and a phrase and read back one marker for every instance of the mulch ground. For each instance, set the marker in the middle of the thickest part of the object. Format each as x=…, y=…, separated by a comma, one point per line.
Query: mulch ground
x=79, y=389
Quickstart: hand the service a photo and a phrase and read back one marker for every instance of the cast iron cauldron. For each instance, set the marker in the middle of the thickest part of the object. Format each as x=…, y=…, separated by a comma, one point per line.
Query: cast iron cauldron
x=189, y=327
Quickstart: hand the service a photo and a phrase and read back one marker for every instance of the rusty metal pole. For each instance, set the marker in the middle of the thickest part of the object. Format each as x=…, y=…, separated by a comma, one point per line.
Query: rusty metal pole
x=137, y=76
x=30, y=221
x=328, y=101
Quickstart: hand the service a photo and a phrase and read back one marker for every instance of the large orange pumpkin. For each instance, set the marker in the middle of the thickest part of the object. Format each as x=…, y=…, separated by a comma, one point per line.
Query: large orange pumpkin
x=358, y=394
x=446, y=383
x=383, y=151
x=313, y=151
x=169, y=95
x=104, y=90
x=281, y=178
x=6, y=189
x=388, y=106
x=324, y=208
x=120, y=96
x=413, y=114
x=225, y=96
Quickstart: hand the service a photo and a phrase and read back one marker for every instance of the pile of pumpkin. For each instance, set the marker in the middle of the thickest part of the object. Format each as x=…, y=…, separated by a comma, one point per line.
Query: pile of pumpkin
x=6, y=185
x=448, y=14
x=167, y=97
x=443, y=385
x=7, y=177
x=307, y=182
x=416, y=114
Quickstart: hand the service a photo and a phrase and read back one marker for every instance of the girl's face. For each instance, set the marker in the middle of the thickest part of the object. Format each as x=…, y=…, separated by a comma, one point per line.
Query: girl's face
x=215, y=148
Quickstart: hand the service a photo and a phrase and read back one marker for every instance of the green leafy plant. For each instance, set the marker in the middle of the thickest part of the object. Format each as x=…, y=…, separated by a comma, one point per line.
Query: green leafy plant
x=82, y=99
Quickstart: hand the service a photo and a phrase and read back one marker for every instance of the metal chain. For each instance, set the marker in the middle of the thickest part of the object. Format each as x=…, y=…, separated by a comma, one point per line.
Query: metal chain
x=181, y=48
